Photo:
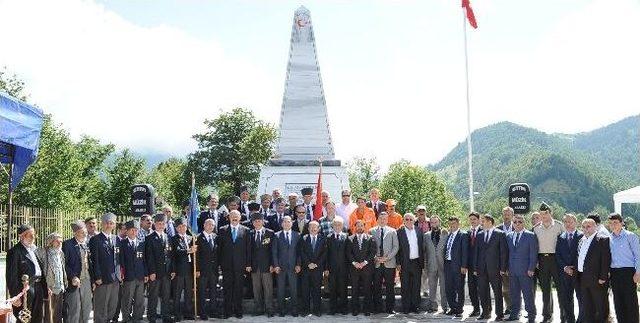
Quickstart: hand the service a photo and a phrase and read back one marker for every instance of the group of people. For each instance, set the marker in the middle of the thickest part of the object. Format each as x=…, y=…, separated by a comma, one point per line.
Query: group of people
x=277, y=247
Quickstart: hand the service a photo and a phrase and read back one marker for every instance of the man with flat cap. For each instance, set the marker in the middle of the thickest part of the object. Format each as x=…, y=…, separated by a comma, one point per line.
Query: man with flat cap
x=135, y=274
x=78, y=296
x=182, y=270
x=105, y=270
x=158, y=260
x=261, y=265
x=307, y=197
x=22, y=260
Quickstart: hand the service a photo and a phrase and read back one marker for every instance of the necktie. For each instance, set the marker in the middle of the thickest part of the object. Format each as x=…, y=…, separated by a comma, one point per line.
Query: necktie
x=449, y=243
x=313, y=243
x=287, y=237
x=375, y=207
x=234, y=234
x=486, y=237
x=473, y=237
x=517, y=239
x=381, y=240
x=570, y=238
x=210, y=241
x=259, y=236
x=360, y=242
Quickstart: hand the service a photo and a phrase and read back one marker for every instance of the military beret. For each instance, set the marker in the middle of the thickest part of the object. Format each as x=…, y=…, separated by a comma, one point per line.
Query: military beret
x=253, y=206
x=77, y=225
x=545, y=207
x=256, y=216
x=307, y=191
x=108, y=217
x=179, y=221
x=132, y=224
x=160, y=217
x=23, y=228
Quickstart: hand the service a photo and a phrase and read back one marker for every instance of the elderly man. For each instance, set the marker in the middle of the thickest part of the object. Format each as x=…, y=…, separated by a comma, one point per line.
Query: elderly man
x=135, y=274
x=208, y=271
x=265, y=205
x=337, y=269
x=105, y=270
x=625, y=269
x=593, y=262
x=434, y=245
x=235, y=260
x=211, y=213
x=326, y=222
x=523, y=257
x=292, y=198
x=23, y=260
x=385, y=263
x=78, y=297
x=307, y=197
x=56, y=278
x=346, y=207
x=170, y=228
x=286, y=265
x=261, y=266
x=182, y=270
x=547, y=233
x=275, y=194
x=566, y=253
x=158, y=260
x=274, y=220
x=410, y=258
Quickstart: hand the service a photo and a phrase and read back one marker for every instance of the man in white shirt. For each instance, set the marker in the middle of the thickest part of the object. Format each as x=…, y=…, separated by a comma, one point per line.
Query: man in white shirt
x=594, y=261
x=346, y=207
x=411, y=260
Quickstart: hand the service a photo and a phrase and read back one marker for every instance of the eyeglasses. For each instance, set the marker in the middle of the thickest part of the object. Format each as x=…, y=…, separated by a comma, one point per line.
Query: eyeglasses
x=346, y=195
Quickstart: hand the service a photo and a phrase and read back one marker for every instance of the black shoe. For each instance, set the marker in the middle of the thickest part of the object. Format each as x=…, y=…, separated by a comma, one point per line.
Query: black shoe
x=269, y=314
x=512, y=318
x=331, y=313
x=500, y=318
x=238, y=316
x=294, y=314
x=457, y=314
x=507, y=312
x=390, y=312
x=225, y=316
x=449, y=312
x=483, y=317
x=367, y=314
x=355, y=313
x=431, y=310
x=317, y=314
x=475, y=313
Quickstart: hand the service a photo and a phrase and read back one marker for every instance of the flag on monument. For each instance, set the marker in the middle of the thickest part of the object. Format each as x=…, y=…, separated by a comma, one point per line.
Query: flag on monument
x=470, y=16
x=317, y=210
x=194, y=207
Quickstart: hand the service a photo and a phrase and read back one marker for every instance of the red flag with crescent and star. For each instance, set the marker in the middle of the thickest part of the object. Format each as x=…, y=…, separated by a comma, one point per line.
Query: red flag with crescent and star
x=470, y=16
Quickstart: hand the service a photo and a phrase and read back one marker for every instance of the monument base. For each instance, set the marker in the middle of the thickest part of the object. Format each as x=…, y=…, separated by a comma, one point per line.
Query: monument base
x=292, y=178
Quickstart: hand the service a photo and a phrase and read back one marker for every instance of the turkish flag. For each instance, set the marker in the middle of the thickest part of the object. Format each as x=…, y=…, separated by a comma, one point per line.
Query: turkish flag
x=317, y=209
x=470, y=16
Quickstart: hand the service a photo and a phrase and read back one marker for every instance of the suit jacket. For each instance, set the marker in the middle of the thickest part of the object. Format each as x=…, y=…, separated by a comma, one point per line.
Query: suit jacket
x=505, y=229
x=355, y=253
x=132, y=260
x=309, y=255
x=296, y=227
x=234, y=256
x=403, y=256
x=182, y=261
x=19, y=263
x=492, y=257
x=286, y=255
x=211, y=214
x=377, y=207
x=158, y=255
x=72, y=258
x=524, y=257
x=473, y=248
x=434, y=254
x=390, y=245
x=261, y=251
x=596, y=263
x=567, y=254
x=103, y=259
x=337, y=252
x=207, y=256
x=274, y=223
x=459, y=250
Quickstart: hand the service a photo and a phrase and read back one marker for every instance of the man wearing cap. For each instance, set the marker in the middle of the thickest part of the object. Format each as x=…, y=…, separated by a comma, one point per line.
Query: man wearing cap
x=265, y=206
x=157, y=252
x=182, y=270
x=56, y=278
x=105, y=270
x=313, y=257
x=210, y=213
x=307, y=196
x=208, y=271
x=235, y=260
x=135, y=274
x=22, y=260
x=346, y=207
x=385, y=264
x=435, y=242
x=395, y=219
x=375, y=203
x=547, y=233
x=274, y=220
x=78, y=296
x=261, y=265
x=293, y=202
x=363, y=213
x=301, y=222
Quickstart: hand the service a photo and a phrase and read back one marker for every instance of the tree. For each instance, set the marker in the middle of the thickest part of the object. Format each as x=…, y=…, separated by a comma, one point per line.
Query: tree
x=412, y=185
x=232, y=149
x=12, y=85
x=630, y=224
x=171, y=180
x=126, y=170
x=364, y=174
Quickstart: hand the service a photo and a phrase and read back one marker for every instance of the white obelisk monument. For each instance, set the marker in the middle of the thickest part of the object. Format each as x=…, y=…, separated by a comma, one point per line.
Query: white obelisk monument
x=304, y=136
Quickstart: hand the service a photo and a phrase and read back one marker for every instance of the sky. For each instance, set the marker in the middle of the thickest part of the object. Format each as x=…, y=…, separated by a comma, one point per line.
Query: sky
x=145, y=74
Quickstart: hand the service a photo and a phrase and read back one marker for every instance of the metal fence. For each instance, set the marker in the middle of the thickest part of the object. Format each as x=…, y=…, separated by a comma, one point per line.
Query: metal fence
x=44, y=221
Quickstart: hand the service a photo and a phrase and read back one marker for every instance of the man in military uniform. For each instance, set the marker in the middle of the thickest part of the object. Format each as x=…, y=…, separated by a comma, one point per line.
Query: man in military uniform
x=261, y=266
x=182, y=270
x=307, y=196
x=158, y=260
x=135, y=274
x=207, y=271
x=104, y=270
x=22, y=260
x=78, y=297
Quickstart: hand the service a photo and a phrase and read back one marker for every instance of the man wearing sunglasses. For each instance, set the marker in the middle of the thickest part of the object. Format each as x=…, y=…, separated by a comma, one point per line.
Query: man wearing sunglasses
x=523, y=256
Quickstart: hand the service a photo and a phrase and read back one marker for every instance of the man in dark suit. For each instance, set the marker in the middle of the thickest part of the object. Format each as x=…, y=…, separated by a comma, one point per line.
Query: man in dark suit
x=410, y=259
x=211, y=213
x=182, y=270
x=135, y=274
x=360, y=253
x=472, y=280
x=208, y=271
x=566, y=253
x=78, y=296
x=313, y=256
x=261, y=266
x=455, y=266
x=593, y=262
x=523, y=257
x=23, y=260
x=337, y=268
x=307, y=205
x=243, y=203
x=301, y=222
x=286, y=263
x=105, y=270
x=506, y=226
x=375, y=202
x=274, y=220
x=157, y=252
x=491, y=264
x=235, y=260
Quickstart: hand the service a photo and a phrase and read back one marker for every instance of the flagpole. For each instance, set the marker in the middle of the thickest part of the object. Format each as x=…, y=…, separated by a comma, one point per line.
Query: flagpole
x=195, y=256
x=469, y=151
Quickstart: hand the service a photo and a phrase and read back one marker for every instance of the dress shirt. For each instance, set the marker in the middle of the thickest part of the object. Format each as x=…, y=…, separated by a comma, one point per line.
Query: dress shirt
x=585, y=242
x=625, y=250
x=413, y=243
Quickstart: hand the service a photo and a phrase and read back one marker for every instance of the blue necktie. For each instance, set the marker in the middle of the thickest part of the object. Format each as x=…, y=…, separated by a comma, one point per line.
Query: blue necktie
x=234, y=234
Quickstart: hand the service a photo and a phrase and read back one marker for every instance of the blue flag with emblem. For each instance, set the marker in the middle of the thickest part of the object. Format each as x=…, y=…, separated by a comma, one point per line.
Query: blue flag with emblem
x=194, y=207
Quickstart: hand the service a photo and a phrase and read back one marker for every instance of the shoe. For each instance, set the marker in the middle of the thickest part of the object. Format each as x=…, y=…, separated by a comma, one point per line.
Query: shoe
x=507, y=312
x=390, y=312
x=431, y=310
x=512, y=318
x=483, y=317
x=331, y=313
x=367, y=314
x=281, y=314
x=449, y=312
x=294, y=314
x=499, y=318
x=269, y=314
x=317, y=314
x=225, y=316
x=457, y=314
x=238, y=316
x=475, y=313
